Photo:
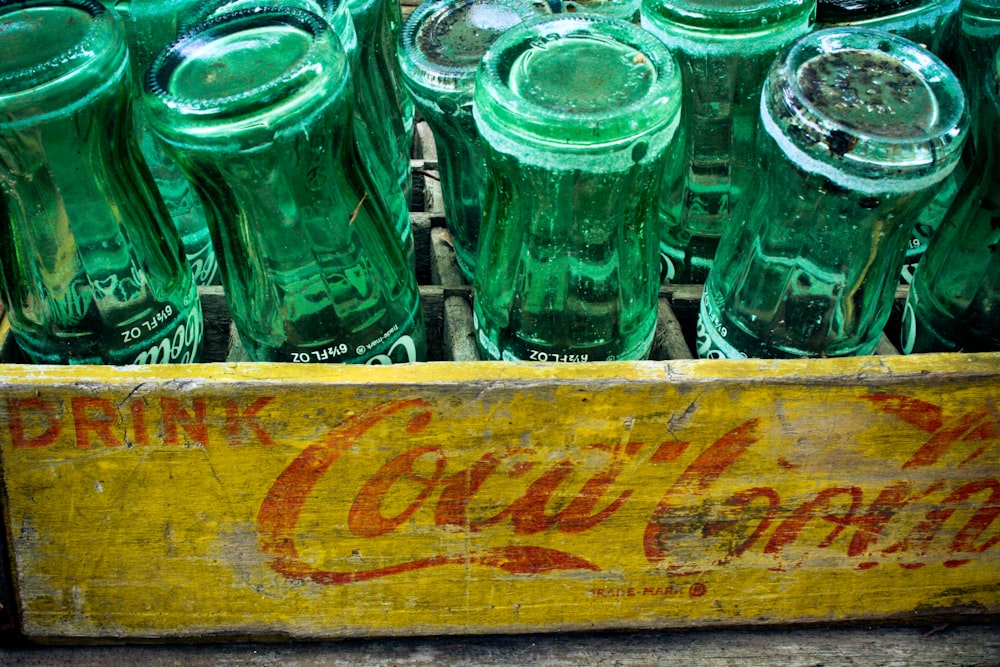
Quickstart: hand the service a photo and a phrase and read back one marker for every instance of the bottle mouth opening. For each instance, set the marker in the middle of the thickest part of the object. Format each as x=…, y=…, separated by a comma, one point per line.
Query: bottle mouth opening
x=866, y=101
x=239, y=63
x=981, y=9
x=585, y=80
x=48, y=42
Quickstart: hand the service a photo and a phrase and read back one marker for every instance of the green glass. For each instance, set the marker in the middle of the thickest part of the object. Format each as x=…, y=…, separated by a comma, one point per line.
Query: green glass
x=858, y=128
x=441, y=46
x=255, y=106
x=578, y=115
x=979, y=41
x=334, y=12
x=382, y=99
x=724, y=48
x=150, y=26
x=91, y=268
x=954, y=301
x=934, y=24
x=337, y=14
x=625, y=10
x=928, y=221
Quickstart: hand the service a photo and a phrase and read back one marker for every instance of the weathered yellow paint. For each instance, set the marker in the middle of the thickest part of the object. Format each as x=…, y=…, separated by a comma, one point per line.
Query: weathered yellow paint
x=265, y=499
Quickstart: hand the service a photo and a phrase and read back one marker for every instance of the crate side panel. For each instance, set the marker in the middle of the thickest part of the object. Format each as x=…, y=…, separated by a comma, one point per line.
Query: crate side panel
x=158, y=509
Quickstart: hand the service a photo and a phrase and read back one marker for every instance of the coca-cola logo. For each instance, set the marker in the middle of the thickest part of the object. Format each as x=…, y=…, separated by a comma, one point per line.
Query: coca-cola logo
x=180, y=345
x=858, y=518
x=204, y=264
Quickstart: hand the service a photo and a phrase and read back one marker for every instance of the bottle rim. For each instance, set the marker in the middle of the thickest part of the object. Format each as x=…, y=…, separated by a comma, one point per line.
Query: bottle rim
x=334, y=12
x=101, y=47
x=859, y=151
x=712, y=19
x=301, y=84
x=210, y=9
x=361, y=6
x=849, y=11
x=626, y=10
x=981, y=9
x=422, y=71
x=498, y=108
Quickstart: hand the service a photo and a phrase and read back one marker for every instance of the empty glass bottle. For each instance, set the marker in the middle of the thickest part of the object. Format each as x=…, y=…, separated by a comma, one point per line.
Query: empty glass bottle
x=577, y=116
x=933, y=24
x=724, y=48
x=337, y=14
x=858, y=127
x=978, y=42
x=255, y=106
x=954, y=300
x=150, y=26
x=440, y=49
x=91, y=268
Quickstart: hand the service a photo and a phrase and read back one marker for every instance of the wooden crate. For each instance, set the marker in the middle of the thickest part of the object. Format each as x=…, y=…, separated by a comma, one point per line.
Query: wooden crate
x=232, y=499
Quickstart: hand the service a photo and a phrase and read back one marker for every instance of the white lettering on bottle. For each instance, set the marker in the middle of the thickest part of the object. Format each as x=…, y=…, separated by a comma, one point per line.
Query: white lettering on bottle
x=178, y=348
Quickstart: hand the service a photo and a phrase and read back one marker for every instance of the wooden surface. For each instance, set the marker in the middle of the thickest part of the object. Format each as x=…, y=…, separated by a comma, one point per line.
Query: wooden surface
x=257, y=499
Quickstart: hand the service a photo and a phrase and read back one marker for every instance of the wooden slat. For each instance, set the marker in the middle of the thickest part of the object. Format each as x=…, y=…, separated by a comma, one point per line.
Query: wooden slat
x=444, y=265
x=669, y=342
x=459, y=335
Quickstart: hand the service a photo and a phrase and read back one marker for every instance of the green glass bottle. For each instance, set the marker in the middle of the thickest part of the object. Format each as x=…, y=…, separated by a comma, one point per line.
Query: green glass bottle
x=980, y=33
x=334, y=12
x=337, y=14
x=724, y=48
x=150, y=26
x=858, y=127
x=255, y=106
x=91, y=268
x=382, y=99
x=978, y=42
x=933, y=24
x=441, y=46
x=578, y=115
x=954, y=300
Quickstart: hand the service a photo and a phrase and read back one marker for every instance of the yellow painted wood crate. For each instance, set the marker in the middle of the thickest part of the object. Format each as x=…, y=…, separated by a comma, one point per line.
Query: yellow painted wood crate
x=260, y=500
